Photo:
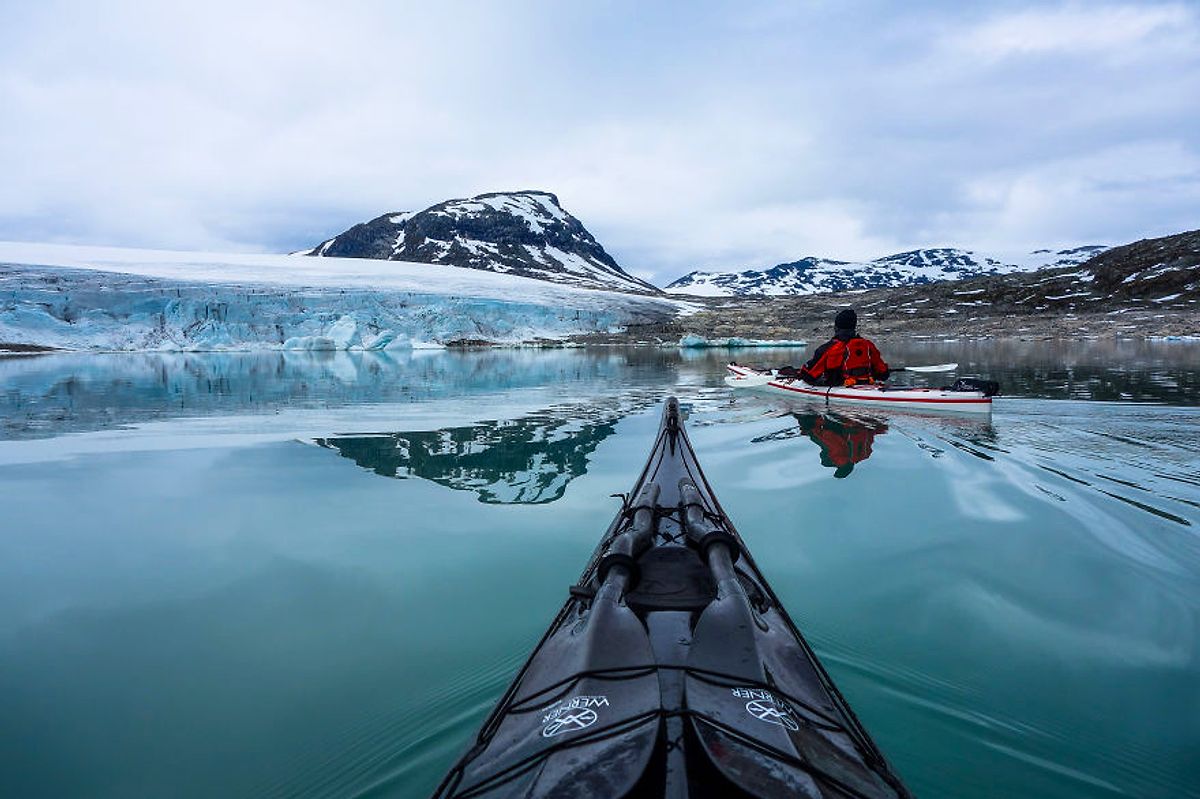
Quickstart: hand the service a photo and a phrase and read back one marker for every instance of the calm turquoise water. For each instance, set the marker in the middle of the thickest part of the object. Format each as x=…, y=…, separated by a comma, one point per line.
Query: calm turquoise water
x=213, y=583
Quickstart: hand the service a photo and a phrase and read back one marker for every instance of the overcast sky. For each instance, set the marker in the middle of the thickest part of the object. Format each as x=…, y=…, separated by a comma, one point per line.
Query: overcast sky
x=689, y=135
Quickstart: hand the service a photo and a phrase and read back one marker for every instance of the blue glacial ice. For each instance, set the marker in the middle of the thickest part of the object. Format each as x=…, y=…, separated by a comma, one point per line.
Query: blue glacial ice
x=279, y=302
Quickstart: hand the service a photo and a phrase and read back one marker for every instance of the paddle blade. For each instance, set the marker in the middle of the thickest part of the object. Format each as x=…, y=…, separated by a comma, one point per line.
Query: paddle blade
x=749, y=381
x=939, y=367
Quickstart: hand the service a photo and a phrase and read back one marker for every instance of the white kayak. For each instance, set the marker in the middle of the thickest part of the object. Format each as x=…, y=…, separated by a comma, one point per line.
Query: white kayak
x=874, y=395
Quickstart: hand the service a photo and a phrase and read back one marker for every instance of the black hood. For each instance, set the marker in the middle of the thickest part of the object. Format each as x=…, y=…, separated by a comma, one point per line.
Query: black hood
x=845, y=323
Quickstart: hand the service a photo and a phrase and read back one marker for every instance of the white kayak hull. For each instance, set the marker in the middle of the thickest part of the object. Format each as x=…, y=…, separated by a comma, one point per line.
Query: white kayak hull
x=876, y=396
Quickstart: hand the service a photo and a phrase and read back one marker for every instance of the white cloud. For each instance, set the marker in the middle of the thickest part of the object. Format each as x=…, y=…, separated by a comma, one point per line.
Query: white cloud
x=1078, y=29
x=755, y=237
x=1080, y=198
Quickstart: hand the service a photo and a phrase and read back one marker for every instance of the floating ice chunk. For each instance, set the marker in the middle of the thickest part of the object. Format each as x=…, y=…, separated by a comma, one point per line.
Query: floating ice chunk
x=310, y=343
x=343, y=332
x=694, y=341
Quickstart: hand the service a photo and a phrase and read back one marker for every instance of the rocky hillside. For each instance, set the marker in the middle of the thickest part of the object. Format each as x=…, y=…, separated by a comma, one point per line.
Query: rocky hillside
x=916, y=267
x=525, y=233
x=1165, y=271
x=1152, y=275
x=1150, y=287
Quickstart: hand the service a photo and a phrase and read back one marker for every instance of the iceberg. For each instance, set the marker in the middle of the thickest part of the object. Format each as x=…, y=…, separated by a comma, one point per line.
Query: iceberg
x=694, y=341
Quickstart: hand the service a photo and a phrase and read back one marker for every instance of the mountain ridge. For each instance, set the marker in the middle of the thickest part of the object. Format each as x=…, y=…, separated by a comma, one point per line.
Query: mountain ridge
x=814, y=275
x=1149, y=287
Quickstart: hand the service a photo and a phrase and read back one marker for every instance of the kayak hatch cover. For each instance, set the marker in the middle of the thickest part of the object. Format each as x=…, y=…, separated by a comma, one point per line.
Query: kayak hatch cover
x=672, y=671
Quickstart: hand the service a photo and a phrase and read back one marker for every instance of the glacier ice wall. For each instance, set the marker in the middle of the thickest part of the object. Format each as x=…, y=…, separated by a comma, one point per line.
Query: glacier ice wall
x=80, y=309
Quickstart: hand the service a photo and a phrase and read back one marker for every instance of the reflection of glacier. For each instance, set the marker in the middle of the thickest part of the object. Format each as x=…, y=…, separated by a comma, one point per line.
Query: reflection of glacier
x=528, y=460
x=55, y=394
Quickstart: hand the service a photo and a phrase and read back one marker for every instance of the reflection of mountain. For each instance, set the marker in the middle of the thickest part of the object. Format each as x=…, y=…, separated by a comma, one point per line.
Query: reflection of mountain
x=844, y=441
x=528, y=460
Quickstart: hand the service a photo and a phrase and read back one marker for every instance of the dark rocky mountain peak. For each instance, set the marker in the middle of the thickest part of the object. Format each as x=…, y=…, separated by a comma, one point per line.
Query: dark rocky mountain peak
x=1150, y=267
x=526, y=233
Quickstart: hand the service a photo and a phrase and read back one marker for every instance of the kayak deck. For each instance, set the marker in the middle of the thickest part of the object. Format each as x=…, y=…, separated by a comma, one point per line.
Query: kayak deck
x=877, y=395
x=672, y=670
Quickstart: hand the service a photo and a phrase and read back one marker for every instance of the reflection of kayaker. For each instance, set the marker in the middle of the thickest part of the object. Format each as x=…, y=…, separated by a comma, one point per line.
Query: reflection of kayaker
x=843, y=442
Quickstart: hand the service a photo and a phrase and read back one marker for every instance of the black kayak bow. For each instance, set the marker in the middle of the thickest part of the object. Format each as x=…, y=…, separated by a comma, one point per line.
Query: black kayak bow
x=672, y=671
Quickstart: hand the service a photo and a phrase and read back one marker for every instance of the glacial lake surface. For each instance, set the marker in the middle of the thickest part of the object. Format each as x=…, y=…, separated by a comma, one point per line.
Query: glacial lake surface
x=312, y=575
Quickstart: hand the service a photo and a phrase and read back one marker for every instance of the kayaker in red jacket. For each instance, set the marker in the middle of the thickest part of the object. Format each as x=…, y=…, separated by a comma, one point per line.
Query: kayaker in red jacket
x=847, y=358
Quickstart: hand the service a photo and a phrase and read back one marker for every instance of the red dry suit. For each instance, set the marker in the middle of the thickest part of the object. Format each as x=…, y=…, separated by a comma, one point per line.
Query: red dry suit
x=844, y=360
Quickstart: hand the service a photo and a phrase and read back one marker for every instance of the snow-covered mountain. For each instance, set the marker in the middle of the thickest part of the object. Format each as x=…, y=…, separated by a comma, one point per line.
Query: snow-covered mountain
x=525, y=233
x=818, y=275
